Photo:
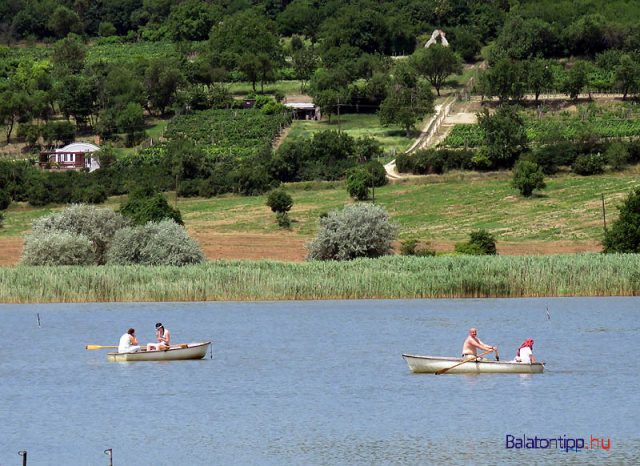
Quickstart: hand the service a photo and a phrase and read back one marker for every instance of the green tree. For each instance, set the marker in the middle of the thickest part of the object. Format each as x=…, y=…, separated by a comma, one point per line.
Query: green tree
x=304, y=63
x=408, y=99
x=624, y=235
x=161, y=81
x=527, y=176
x=576, y=79
x=279, y=201
x=242, y=37
x=539, y=76
x=76, y=95
x=436, y=63
x=191, y=20
x=504, y=135
x=14, y=106
x=131, y=120
x=628, y=75
x=506, y=79
x=358, y=183
x=63, y=21
x=480, y=243
x=68, y=55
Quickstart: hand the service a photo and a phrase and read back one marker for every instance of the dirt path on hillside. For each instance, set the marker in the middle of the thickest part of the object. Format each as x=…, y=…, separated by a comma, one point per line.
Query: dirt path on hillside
x=285, y=247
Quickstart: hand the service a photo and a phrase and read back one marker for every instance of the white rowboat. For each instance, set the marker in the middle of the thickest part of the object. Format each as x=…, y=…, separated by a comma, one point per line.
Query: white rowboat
x=432, y=364
x=174, y=353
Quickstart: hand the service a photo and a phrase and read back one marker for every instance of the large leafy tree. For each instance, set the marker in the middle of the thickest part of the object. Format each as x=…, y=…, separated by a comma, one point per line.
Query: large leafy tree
x=506, y=79
x=628, y=75
x=246, y=41
x=409, y=98
x=504, y=135
x=624, y=234
x=68, y=55
x=192, y=20
x=161, y=81
x=436, y=63
x=539, y=76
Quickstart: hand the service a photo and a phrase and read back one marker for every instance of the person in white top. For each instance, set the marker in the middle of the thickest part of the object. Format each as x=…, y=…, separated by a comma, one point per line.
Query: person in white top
x=525, y=352
x=128, y=342
x=163, y=338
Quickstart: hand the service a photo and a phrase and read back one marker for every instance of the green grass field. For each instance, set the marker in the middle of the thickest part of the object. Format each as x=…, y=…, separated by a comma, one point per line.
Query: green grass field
x=446, y=208
x=392, y=138
x=286, y=87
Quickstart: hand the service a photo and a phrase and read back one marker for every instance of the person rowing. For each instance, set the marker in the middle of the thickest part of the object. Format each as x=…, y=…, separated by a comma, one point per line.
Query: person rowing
x=472, y=343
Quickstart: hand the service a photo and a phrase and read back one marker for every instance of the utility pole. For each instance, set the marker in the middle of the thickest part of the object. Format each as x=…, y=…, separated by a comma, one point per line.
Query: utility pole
x=604, y=214
x=338, y=114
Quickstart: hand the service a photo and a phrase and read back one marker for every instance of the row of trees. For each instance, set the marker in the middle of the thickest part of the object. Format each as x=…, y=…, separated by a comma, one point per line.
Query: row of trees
x=612, y=71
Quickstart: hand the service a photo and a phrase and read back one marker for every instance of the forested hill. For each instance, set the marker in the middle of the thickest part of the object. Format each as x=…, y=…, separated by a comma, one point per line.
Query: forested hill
x=527, y=27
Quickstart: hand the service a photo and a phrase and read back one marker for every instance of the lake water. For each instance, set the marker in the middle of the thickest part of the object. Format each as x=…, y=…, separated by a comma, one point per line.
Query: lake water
x=318, y=383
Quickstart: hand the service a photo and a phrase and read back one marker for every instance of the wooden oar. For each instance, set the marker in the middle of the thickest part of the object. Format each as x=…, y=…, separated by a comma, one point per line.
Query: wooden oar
x=92, y=347
x=442, y=371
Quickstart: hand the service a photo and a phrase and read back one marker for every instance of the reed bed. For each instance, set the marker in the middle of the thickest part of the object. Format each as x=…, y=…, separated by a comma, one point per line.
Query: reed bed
x=387, y=277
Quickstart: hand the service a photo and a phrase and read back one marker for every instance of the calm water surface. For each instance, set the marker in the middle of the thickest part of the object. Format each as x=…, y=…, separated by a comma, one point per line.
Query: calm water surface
x=317, y=383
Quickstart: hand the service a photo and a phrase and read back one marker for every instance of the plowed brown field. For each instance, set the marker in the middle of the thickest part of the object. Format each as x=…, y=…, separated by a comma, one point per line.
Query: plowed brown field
x=291, y=248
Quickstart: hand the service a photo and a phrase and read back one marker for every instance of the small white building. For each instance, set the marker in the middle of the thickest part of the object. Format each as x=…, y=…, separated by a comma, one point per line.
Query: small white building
x=304, y=110
x=74, y=156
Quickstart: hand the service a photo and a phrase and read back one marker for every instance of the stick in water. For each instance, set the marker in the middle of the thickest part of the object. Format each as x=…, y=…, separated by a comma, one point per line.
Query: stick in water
x=38, y=314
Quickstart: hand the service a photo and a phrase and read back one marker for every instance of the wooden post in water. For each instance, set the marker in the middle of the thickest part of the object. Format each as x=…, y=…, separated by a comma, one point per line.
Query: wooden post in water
x=23, y=453
x=109, y=453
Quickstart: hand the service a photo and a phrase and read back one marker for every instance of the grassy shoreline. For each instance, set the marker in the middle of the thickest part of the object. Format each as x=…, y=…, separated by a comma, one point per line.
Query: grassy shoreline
x=393, y=277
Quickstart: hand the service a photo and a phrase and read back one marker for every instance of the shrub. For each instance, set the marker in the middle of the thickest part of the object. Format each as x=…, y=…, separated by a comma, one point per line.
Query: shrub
x=617, y=155
x=253, y=179
x=358, y=182
x=481, y=242
x=141, y=206
x=429, y=162
x=273, y=108
x=5, y=199
x=279, y=201
x=1, y=219
x=590, y=164
x=359, y=230
x=58, y=248
x=412, y=247
x=94, y=194
x=527, y=176
x=189, y=188
x=162, y=243
x=97, y=225
x=405, y=163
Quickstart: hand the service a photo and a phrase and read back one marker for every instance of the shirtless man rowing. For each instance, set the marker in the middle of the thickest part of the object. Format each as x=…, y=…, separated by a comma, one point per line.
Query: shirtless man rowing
x=473, y=343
